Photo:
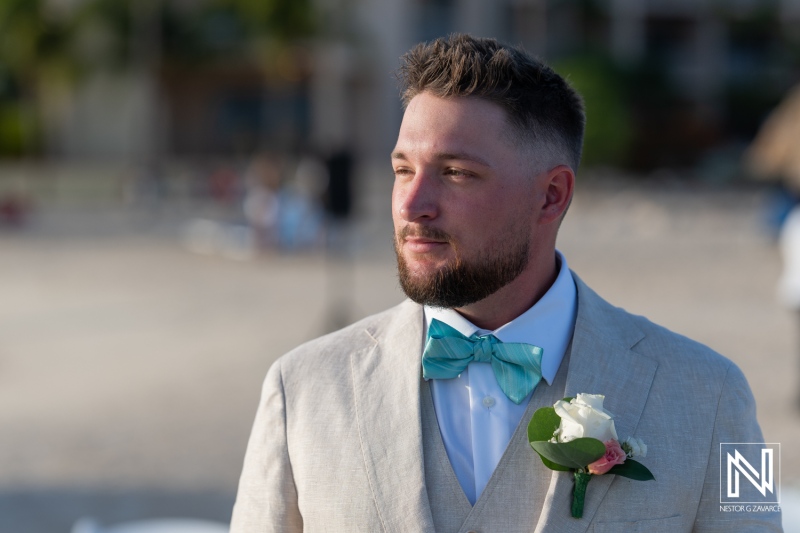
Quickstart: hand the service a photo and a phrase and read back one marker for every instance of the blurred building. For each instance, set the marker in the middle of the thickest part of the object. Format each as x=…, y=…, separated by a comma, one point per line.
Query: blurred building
x=690, y=75
x=675, y=78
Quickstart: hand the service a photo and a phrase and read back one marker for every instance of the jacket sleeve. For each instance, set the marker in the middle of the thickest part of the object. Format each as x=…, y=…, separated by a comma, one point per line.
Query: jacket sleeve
x=735, y=422
x=267, y=498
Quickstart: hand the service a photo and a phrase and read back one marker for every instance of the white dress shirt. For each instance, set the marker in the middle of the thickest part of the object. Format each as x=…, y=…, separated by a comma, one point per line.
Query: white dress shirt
x=475, y=417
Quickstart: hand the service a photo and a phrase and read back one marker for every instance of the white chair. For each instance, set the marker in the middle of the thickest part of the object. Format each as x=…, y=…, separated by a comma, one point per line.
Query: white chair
x=164, y=525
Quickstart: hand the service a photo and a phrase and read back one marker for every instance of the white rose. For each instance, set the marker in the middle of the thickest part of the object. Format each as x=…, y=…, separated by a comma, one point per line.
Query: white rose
x=637, y=446
x=584, y=416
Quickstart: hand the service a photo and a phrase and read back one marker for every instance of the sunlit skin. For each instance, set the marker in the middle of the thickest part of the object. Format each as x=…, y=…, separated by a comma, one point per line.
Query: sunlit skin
x=458, y=170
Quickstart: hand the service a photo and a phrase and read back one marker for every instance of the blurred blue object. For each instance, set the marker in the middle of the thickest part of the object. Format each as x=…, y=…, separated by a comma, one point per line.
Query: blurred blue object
x=778, y=206
x=299, y=221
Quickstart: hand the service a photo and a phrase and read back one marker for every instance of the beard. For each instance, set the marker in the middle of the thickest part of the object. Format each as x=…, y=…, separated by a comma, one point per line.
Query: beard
x=462, y=282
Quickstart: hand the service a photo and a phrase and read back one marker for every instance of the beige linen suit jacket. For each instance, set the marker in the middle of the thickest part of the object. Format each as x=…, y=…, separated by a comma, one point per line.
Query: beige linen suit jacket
x=337, y=443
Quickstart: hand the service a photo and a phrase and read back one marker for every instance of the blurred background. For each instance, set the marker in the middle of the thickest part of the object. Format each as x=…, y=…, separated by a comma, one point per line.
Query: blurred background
x=189, y=188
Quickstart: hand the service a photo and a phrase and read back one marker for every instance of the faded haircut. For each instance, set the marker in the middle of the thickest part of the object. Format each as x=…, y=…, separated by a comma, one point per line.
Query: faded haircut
x=544, y=111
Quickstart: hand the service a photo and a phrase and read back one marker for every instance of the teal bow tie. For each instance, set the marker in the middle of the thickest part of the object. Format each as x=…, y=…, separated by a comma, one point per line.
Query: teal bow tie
x=517, y=366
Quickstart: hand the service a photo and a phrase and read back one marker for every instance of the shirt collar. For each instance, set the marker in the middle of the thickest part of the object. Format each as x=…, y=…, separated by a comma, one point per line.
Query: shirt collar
x=549, y=323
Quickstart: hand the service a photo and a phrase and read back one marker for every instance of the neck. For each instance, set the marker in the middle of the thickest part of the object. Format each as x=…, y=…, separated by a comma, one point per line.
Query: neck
x=515, y=298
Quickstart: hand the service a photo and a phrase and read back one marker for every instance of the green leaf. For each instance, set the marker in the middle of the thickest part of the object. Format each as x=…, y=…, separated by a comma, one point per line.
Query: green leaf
x=548, y=463
x=632, y=470
x=544, y=423
x=573, y=454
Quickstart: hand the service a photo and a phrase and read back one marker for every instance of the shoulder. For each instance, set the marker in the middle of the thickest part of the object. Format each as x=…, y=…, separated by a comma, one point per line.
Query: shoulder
x=686, y=389
x=315, y=383
x=674, y=353
x=330, y=351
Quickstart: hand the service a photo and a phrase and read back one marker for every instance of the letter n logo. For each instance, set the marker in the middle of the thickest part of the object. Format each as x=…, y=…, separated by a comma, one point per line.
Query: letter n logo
x=755, y=462
x=739, y=465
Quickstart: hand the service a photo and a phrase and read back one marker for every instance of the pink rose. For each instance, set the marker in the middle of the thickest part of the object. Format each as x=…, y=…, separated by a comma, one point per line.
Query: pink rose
x=614, y=456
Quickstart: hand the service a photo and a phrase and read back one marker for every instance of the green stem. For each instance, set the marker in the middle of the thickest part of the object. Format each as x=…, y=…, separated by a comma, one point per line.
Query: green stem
x=579, y=492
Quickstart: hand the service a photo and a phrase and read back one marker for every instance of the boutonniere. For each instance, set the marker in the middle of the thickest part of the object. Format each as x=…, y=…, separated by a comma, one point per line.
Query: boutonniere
x=577, y=435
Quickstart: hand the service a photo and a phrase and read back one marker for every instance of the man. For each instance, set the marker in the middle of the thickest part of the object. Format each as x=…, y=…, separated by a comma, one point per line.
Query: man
x=351, y=436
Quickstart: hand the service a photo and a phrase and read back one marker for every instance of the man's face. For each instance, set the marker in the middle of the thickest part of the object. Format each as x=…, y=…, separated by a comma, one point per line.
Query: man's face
x=463, y=202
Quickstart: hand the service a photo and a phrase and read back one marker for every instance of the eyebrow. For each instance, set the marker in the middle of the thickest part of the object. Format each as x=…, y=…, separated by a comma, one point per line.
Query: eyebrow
x=459, y=156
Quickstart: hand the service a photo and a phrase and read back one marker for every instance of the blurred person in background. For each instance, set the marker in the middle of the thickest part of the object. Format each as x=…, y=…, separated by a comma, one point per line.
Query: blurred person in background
x=300, y=217
x=338, y=196
x=414, y=419
x=14, y=210
x=774, y=156
x=285, y=213
x=223, y=184
x=260, y=206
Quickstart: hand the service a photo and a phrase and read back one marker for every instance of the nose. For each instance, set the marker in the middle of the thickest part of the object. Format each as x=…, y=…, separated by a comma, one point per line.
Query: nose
x=416, y=198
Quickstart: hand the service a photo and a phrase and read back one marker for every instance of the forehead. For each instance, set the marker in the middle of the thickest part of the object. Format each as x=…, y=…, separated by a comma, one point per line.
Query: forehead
x=445, y=124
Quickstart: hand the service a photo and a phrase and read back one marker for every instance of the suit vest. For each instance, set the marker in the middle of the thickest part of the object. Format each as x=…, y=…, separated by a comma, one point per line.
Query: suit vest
x=514, y=496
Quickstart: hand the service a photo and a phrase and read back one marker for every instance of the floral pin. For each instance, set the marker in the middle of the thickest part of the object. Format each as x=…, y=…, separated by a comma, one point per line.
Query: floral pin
x=578, y=435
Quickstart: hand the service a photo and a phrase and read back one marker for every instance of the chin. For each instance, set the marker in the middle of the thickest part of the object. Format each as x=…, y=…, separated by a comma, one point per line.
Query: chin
x=424, y=268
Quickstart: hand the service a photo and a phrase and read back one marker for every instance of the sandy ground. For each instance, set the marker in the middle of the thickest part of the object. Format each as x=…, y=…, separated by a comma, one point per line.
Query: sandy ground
x=130, y=368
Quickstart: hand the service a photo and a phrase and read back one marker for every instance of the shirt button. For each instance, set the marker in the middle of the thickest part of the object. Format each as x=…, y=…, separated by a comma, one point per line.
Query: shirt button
x=489, y=402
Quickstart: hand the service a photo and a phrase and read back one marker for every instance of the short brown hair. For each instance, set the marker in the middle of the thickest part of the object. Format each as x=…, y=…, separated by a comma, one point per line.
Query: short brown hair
x=540, y=104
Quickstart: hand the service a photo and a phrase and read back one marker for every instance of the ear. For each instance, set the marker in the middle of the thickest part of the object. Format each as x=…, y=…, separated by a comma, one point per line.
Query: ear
x=560, y=184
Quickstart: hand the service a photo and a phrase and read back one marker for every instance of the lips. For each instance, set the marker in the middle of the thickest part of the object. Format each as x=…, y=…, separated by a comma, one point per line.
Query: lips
x=422, y=245
x=419, y=239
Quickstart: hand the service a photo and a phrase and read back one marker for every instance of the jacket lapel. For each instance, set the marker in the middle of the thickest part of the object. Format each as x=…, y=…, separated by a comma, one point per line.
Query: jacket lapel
x=386, y=383
x=386, y=380
x=602, y=362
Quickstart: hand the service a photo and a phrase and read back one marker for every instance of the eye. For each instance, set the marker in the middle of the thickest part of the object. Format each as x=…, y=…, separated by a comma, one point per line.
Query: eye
x=403, y=172
x=457, y=173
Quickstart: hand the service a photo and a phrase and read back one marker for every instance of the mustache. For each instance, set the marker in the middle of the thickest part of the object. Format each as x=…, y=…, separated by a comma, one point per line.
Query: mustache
x=426, y=232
